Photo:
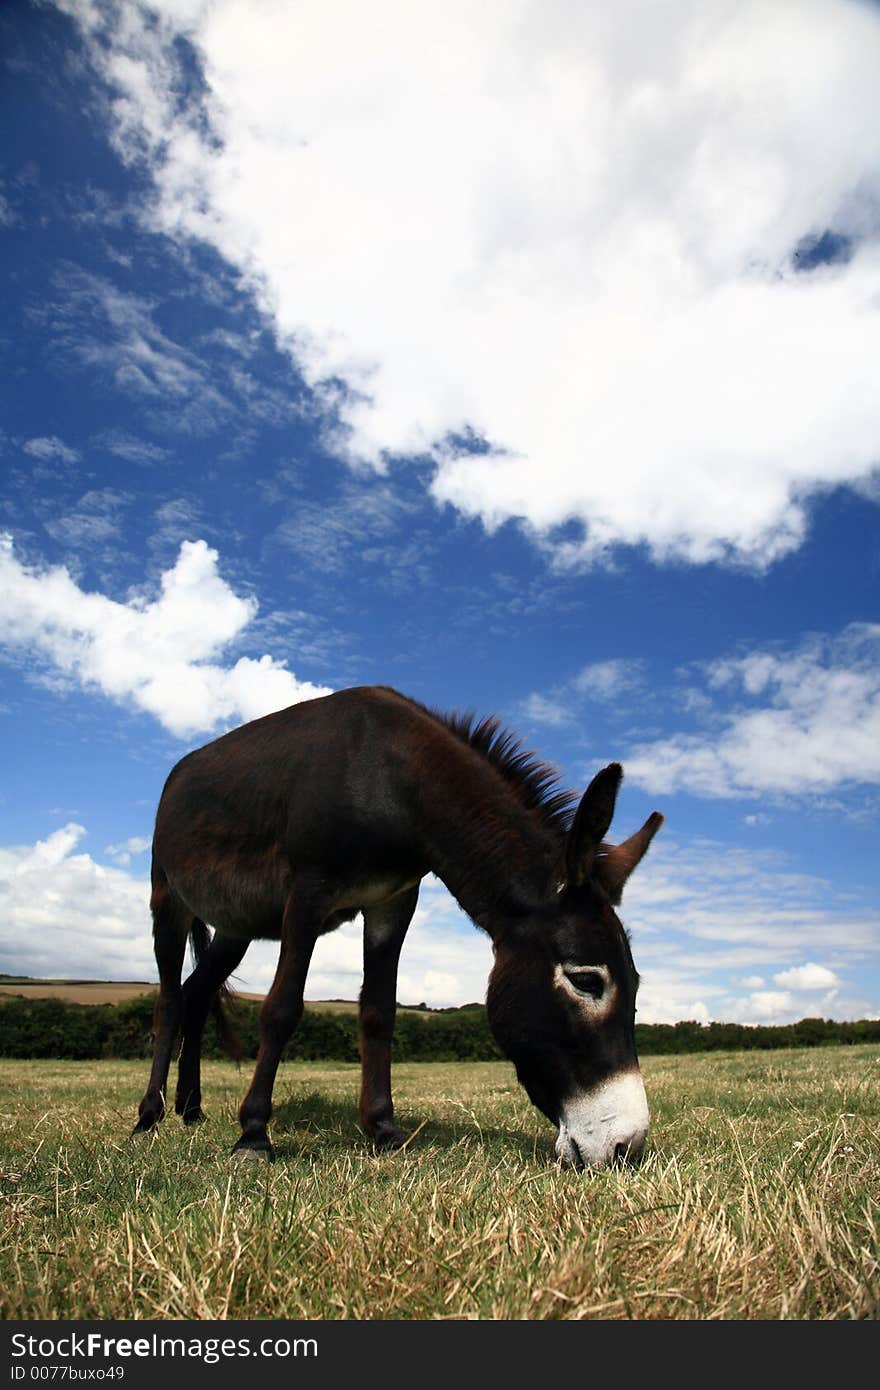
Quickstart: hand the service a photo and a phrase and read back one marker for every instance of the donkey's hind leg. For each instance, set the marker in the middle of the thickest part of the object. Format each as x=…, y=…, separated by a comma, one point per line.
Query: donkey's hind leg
x=385, y=927
x=281, y=1012
x=171, y=923
x=199, y=992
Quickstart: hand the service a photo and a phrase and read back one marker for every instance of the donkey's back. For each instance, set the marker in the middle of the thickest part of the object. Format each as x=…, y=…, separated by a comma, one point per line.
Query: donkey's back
x=330, y=786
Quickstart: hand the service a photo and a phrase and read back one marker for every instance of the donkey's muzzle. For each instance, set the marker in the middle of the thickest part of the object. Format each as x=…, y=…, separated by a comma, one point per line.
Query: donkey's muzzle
x=605, y=1126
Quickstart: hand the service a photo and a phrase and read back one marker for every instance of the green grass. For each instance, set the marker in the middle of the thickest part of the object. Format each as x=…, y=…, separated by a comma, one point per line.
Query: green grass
x=758, y=1198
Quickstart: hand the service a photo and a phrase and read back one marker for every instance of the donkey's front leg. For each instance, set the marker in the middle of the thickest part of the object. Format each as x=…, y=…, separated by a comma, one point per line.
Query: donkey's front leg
x=281, y=1012
x=385, y=927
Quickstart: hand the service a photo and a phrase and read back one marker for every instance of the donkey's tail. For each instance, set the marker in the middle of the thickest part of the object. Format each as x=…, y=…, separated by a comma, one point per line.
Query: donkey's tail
x=200, y=941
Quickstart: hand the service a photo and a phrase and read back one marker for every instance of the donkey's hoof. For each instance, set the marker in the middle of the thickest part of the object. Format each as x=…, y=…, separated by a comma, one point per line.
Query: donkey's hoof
x=250, y=1151
x=143, y=1129
x=193, y=1117
x=388, y=1137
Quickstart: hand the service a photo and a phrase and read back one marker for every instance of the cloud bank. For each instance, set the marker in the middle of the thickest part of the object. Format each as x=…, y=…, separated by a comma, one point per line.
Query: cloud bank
x=62, y=913
x=702, y=915
x=806, y=722
x=588, y=236
x=705, y=915
x=156, y=655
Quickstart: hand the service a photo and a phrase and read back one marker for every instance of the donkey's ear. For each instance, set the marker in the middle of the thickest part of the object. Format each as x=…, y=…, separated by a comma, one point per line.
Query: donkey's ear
x=590, y=824
x=615, y=863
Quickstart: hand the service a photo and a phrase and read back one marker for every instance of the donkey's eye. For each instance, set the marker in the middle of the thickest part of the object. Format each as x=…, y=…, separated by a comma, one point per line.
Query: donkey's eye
x=589, y=982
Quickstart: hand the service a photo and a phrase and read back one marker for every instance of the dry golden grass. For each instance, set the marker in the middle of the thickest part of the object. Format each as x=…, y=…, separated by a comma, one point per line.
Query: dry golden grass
x=758, y=1198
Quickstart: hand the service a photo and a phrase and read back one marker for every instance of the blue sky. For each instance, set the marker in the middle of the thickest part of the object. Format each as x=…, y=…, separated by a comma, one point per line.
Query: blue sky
x=523, y=358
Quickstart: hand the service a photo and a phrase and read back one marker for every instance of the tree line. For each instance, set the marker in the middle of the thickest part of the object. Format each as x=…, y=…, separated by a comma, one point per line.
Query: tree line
x=56, y=1028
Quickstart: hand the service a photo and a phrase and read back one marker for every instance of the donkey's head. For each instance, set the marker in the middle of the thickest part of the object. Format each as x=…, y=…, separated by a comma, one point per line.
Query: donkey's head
x=562, y=993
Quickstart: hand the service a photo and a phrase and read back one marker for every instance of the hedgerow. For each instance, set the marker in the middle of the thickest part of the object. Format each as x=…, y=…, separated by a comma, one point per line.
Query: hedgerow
x=56, y=1028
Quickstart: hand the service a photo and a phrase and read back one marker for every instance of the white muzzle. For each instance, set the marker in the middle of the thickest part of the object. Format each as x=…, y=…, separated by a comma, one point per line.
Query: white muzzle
x=605, y=1124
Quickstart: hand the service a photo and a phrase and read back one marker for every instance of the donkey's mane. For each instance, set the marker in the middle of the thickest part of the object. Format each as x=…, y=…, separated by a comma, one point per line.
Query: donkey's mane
x=536, y=783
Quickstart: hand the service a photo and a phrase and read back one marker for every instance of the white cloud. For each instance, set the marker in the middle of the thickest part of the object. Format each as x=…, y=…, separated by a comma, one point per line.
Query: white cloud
x=94, y=519
x=751, y=904
x=126, y=446
x=445, y=959
x=544, y=709
x=710, y=921
x=569, y=230
x=63, y=914
x=603, y=682
x=815, y=726
x=807, y=977
x=115, y=333
x=121, y=854
x=47, y=447
x=155, y=655
x=8, y=217
x=667, y=996
x=765, y=1006
x=606, y=680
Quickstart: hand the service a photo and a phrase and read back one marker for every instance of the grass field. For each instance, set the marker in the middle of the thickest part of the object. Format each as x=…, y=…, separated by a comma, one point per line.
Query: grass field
x=758, y=1198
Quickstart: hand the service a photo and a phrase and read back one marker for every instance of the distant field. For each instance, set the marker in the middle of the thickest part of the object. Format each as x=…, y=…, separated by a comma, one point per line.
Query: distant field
x=78, y=991
x=758, y=1199
x=117, y=991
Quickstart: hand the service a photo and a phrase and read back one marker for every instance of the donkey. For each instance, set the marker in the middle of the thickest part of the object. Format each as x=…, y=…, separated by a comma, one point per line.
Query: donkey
x=292, y=824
